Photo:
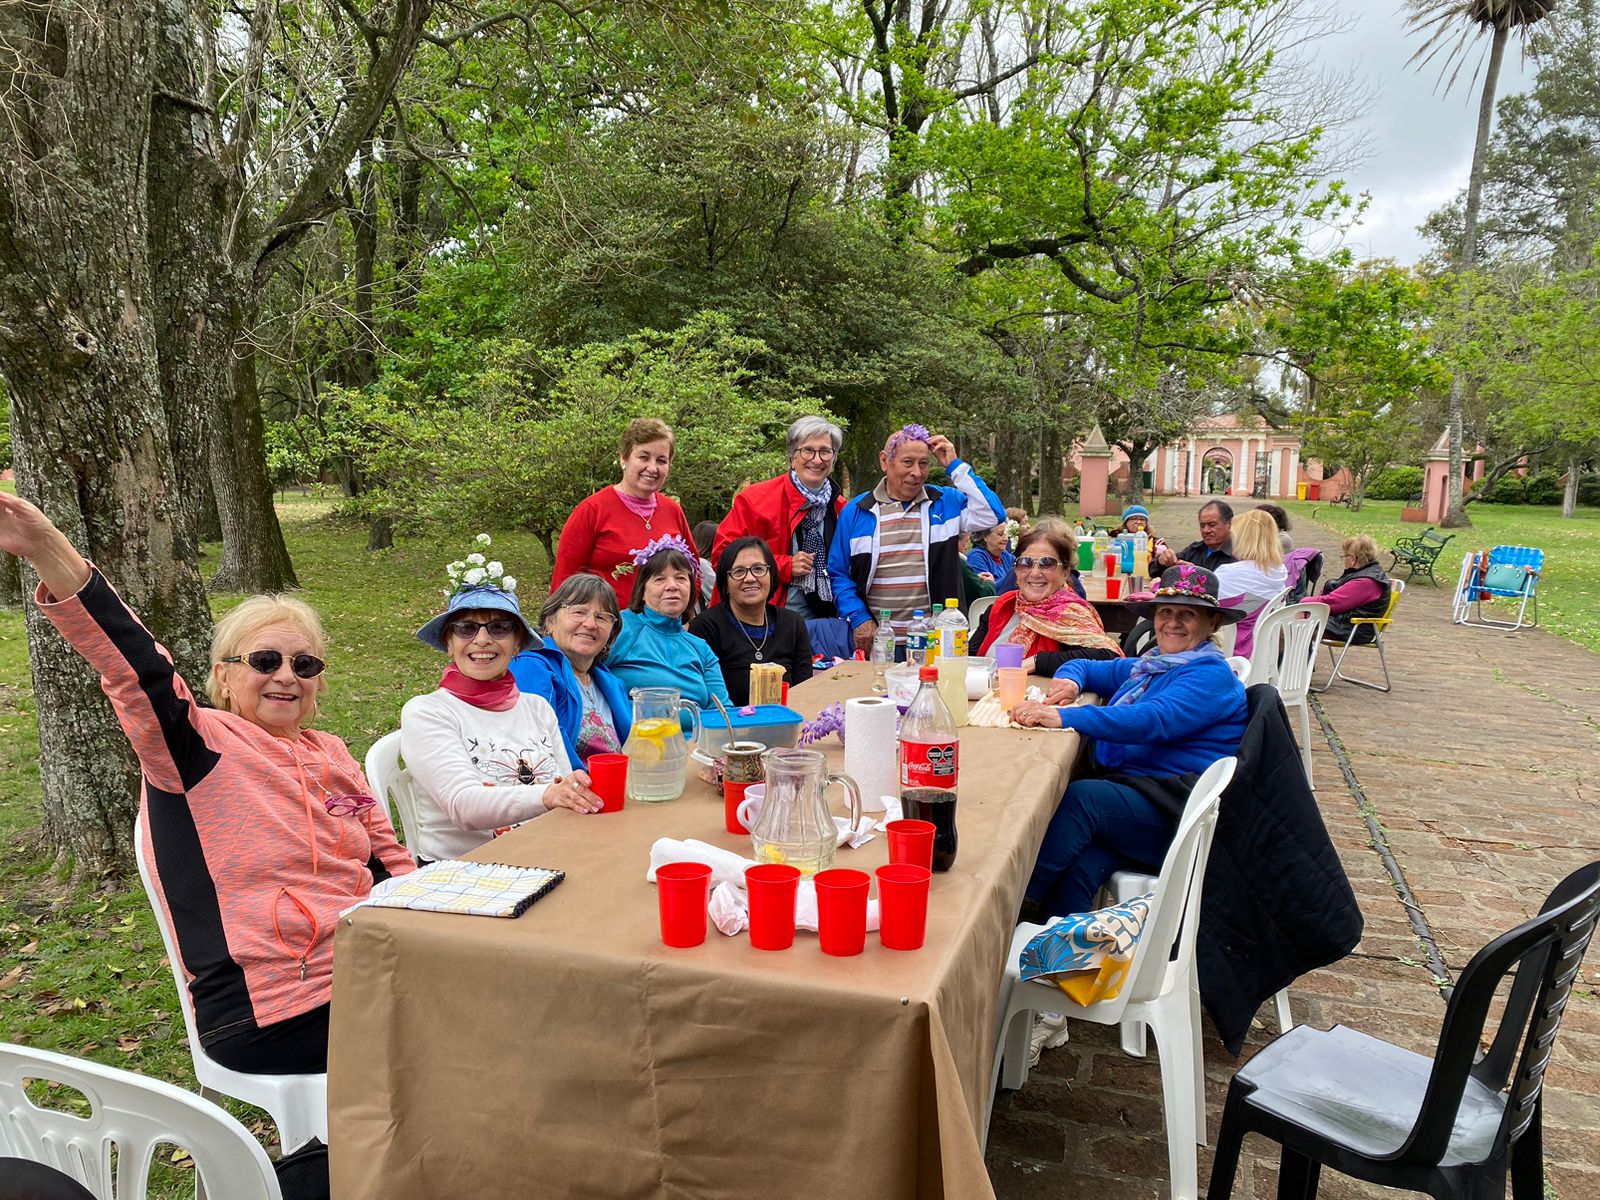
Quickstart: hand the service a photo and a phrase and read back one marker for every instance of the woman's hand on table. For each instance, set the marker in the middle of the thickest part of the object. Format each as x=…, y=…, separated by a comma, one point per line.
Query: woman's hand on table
x=1036, y=715
x=572, y=791
x=1061, y=691
x=1030, y=665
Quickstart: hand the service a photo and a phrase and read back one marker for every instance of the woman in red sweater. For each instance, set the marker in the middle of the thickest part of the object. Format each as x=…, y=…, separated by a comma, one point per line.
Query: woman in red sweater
x=608, y=528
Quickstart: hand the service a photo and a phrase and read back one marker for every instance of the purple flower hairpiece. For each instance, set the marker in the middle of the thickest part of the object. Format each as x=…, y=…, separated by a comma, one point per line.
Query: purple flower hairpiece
x=908, y=433
x=670, y=541
x=829, y=720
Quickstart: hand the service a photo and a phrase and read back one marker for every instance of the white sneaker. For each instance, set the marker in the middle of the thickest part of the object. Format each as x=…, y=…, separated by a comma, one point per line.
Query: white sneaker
x=1049, y=1031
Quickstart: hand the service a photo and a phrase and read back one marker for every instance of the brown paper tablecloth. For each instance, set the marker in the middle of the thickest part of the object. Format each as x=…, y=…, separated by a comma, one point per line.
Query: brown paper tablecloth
x=569, y=1053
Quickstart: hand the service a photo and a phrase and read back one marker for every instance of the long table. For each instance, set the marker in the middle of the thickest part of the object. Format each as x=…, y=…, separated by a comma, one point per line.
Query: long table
x=569, y=1053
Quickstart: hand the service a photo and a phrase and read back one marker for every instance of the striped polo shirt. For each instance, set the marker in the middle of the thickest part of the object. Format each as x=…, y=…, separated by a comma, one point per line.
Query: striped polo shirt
x=900, y=579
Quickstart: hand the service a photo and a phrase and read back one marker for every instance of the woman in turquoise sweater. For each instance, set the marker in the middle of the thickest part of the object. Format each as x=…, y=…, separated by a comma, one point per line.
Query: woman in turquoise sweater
x=1173, y=712
x=653, y=648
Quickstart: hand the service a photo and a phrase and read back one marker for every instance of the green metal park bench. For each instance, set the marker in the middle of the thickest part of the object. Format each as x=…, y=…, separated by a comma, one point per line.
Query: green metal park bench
x=1419, y=553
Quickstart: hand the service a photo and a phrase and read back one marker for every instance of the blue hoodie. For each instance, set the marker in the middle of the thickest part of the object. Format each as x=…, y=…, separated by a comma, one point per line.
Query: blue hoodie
x=544, y=671
x=654, y=650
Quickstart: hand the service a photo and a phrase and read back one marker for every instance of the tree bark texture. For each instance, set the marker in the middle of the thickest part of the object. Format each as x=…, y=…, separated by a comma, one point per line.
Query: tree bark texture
x=78, y=350
x=10, y=581
x=1569, y=494
x=1052, y=495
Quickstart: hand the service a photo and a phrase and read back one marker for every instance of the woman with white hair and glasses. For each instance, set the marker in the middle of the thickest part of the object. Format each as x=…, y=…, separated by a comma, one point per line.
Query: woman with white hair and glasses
x=259, y=831
x=795, y=514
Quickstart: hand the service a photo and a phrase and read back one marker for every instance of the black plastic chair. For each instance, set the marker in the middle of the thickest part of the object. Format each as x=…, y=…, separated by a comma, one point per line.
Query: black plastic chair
x=1450, y=1126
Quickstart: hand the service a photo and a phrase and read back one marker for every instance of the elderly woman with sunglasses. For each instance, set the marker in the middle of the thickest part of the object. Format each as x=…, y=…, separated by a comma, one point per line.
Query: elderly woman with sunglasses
x=258, y=830
x=579, y=622
x=483, y=753
x=1044, y=615
x=747, y=627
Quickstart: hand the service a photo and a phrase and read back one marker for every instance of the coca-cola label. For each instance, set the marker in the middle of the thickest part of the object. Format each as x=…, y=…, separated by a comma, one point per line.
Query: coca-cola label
x=929, y=764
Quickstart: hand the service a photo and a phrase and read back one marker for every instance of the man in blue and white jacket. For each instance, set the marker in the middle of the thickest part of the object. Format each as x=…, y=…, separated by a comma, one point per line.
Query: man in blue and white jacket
x=897, y=546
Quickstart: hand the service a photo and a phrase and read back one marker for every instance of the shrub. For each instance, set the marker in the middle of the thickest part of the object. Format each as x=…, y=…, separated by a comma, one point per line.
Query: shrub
x=1395, y=483
x=1511, y=489
x=1543, y=488
x=1589, y=489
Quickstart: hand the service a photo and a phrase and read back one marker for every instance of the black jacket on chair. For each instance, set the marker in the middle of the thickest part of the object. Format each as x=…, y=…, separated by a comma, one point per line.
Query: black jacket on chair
x=1276, y=902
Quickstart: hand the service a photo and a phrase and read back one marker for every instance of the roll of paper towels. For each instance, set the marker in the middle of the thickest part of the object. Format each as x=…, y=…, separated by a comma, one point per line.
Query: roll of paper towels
x=872, y=748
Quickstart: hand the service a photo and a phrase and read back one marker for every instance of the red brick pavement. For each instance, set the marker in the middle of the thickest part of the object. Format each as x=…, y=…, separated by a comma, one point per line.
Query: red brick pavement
x=1479, y=767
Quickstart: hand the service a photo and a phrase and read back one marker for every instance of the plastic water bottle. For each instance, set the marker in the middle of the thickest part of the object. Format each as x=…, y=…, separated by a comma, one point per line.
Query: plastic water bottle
x=932, y=657
x=930, y=766
x=882, y=652
x=952, y=629
x=917, y=639
x=1141, y=560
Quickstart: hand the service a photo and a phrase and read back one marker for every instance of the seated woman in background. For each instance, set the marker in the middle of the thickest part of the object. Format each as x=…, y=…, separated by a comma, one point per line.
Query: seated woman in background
x=258, y=831
x=483, y=753
x=1362, y=591
x=1171, y=714
x=1280, y=518
x=579, y=621
x=1257, y=573
x=654, y=649
x=989, y=555
x=747, y=627
x=1043, y=614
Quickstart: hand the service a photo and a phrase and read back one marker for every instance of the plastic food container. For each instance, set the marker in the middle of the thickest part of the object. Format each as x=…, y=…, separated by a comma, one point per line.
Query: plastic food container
x=772, y=724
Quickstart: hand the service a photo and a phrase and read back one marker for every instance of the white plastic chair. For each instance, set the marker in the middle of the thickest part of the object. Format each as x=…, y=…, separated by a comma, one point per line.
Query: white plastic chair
x=297, y=1104
x=129, y=1117
x=1240, y=666
x=979, y=606
x=394, y=786
x=1160, y=992
x=1285, y=654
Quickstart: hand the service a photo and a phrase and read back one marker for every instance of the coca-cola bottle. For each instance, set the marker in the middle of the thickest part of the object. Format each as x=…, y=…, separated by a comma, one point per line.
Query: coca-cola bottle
x=929, y=766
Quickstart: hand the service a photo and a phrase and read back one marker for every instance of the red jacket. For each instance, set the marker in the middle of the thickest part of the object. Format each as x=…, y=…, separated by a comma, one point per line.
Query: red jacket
x=770, y=510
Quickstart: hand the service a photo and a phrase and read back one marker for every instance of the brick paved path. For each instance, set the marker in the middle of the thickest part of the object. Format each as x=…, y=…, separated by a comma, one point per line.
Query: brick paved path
x=1480, y=767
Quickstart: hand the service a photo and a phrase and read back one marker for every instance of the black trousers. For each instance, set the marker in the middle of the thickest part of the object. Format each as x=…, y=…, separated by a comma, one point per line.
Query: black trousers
x=298, y=1046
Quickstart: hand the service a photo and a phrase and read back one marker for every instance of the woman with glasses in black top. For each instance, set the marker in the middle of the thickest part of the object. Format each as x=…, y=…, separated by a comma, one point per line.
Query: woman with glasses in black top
x=746, y=627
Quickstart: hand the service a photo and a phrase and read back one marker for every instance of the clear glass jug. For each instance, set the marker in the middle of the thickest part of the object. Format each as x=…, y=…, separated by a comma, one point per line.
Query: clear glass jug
x=794, y=825
x=658, y=755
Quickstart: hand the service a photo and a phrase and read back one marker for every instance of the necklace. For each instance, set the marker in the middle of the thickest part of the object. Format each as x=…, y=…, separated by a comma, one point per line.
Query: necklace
x=766, y=632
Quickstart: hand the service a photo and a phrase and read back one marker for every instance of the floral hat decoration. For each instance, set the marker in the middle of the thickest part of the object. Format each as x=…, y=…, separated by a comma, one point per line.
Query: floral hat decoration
x=637, y=558
x=476, y=582
x=1185, y=584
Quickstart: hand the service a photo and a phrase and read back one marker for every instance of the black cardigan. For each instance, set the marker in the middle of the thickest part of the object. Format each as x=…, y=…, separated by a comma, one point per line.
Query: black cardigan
x=789, y=643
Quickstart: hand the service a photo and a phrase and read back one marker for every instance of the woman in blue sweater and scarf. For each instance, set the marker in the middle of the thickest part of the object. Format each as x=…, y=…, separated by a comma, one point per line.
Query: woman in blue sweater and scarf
x=1173, y=712
x=653, y=648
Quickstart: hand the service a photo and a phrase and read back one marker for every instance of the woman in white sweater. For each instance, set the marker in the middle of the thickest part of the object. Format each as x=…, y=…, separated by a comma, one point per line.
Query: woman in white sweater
x=484, y=755
x=1258, y=569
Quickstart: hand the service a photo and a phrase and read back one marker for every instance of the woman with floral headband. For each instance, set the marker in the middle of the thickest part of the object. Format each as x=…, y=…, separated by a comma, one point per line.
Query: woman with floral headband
x=654, y=649
x=1171, y=714
x=258, y=830
x=607, y=530
x=484, y=755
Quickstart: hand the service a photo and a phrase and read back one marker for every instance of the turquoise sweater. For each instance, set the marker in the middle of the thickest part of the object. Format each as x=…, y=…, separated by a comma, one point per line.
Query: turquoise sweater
x=653, y=650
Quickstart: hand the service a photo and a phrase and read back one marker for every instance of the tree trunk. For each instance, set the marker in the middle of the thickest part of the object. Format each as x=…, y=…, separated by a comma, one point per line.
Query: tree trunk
x=1052, y=496
x=380, y=534
x=10, y=581
x=78, y=351
x=1569, y=494
x=1455, y=515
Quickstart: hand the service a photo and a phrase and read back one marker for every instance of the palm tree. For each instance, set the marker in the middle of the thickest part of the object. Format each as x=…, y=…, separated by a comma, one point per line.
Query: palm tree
x=1449, y=29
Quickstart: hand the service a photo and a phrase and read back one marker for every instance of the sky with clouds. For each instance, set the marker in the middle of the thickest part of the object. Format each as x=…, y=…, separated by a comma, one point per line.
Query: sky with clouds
x=1419, y=138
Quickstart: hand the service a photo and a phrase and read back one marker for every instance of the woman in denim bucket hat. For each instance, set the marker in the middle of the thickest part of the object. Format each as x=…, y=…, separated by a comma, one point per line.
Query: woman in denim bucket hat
x=484, y=755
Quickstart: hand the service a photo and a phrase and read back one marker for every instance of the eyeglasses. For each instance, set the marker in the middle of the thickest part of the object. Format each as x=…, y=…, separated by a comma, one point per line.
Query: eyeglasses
x=347, y=805
x=1047, y=563
x=466, y=629
x=810, y=452
x=757, y=571
x=265, y=662
x=580, y=614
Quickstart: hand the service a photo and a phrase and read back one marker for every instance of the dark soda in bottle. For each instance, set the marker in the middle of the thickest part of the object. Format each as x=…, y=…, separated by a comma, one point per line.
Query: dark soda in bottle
x=930, y=754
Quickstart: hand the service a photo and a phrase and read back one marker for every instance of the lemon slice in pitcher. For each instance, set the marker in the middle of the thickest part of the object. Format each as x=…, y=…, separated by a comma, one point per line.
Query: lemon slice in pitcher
x=648, y=741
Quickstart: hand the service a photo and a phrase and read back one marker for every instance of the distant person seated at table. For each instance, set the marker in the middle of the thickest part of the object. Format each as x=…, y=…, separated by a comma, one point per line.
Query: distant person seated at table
x=747, y=627
x=1045, y=616
x=579, y=621
x=1171, y=714
x=705, y=538
x=1021, y=520
x=1215, y=544
x=654, y=649
x=258, y=830
x=1256, y=575
x=1362, y=591
x=1280, y=518
x=483, y=754
x=990, y=556
x=1135, y=520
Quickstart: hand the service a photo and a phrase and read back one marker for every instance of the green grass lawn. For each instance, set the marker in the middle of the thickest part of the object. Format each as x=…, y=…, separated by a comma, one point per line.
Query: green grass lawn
x=81, y=965
x=1569, y=590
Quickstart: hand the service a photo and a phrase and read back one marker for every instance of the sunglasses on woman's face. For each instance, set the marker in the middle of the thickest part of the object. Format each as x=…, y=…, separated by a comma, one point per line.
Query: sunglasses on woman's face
x=265, y=662
x=1047, y=563
x=500, y=627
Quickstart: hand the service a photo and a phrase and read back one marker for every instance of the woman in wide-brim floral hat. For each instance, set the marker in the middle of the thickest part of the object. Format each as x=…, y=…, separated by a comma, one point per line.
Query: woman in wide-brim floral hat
x=483, y=754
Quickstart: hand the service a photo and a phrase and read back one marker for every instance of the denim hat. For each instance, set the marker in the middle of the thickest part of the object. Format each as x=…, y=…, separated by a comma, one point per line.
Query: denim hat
x=484, y=596
x=1185, y=584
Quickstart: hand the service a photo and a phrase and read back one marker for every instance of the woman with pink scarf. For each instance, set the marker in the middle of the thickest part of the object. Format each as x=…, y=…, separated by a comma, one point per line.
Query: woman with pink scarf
x=1044, y=615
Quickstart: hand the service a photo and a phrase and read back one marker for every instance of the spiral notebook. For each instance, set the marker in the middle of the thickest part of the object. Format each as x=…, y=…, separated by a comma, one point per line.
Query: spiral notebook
x=476, y=888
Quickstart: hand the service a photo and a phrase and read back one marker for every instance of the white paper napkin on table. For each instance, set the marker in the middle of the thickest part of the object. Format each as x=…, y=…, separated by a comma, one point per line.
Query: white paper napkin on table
x=726, y=866
x=730, y=909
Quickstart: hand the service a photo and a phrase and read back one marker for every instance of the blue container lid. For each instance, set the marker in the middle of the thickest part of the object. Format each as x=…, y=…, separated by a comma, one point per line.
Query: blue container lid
x=764, y=714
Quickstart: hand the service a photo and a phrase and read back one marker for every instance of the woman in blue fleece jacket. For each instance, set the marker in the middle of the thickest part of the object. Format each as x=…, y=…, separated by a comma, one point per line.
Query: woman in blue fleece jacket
x=653, y=648
x=1173, y=712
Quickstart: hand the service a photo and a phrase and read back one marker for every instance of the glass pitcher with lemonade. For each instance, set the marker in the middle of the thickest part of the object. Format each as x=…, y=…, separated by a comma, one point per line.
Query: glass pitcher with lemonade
x=658, y=755
x=794, y=825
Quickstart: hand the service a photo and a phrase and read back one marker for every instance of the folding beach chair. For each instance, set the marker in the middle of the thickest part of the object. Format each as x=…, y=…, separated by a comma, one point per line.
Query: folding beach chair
x=1378, y=625
x=1509, y=573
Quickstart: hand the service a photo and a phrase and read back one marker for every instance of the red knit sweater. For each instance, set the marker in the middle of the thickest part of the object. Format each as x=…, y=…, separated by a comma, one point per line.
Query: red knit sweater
x=602, y=534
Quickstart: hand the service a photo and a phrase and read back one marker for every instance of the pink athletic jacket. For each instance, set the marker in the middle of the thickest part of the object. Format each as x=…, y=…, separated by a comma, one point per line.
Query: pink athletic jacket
x=252, y=869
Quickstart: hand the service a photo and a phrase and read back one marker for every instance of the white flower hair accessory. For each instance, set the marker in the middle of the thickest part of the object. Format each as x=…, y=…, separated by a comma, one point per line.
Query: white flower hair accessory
x=477, y=571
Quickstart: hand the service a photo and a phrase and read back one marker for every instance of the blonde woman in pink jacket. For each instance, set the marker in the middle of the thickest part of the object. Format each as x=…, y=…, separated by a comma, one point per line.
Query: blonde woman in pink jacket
x=258, y=829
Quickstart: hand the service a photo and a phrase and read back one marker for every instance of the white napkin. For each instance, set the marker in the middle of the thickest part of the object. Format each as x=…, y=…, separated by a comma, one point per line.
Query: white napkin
x=891, y=812
x=859, y=836
x=730, y=909
x=726, y=866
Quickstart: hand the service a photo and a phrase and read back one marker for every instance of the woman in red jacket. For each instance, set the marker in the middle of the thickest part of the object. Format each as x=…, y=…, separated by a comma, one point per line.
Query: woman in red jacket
x=795, y=514
x=608, y=528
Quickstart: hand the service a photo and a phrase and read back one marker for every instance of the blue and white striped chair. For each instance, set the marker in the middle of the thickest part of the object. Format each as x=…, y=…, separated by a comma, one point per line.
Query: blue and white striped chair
x=1511, y=573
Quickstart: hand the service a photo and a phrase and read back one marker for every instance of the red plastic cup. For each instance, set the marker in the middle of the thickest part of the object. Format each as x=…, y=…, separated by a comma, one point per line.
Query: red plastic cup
x=1113, y=565
x=732, y=796
x=902, y=906
x=772, y=888
x=911, y=842
x=683, y=890
x=608, y=779
x=842, y=910
x=1113, y=587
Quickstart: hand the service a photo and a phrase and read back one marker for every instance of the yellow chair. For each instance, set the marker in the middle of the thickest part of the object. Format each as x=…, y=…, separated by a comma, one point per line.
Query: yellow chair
x=1397, y=589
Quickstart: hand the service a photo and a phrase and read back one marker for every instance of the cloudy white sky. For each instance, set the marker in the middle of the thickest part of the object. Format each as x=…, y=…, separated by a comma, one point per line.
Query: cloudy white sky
x=1419, y=138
